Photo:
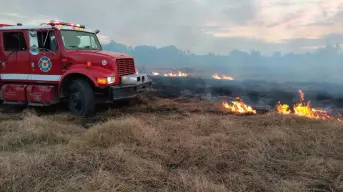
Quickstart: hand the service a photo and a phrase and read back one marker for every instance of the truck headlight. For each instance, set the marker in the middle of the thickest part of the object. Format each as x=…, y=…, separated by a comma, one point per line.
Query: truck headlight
x=106, y=80
x=110, y=80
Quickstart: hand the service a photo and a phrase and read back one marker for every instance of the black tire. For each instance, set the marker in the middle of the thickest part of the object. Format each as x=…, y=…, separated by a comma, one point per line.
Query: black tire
x=81, y=98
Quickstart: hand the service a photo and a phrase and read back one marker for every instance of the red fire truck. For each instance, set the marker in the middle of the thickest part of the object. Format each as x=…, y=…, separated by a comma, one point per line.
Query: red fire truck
x=45, y=64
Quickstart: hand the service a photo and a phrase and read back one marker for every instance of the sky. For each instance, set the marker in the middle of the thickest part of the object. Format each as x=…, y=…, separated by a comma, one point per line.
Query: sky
x=201, y=26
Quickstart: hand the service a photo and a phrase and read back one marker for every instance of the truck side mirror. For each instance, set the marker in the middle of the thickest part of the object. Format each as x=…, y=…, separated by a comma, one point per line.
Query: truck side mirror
x=33, y=42
x=97, y=31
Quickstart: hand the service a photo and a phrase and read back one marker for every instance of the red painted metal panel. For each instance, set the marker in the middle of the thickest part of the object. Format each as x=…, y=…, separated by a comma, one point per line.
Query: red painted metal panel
x=14, y=92
x=17, y=62
x=42, y=94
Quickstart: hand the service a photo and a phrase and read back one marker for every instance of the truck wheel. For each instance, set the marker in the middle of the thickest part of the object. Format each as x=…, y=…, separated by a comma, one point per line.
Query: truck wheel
x=81, y=98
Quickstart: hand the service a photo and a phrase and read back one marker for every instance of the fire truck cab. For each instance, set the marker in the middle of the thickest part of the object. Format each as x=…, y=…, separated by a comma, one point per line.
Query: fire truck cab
x=45, y=64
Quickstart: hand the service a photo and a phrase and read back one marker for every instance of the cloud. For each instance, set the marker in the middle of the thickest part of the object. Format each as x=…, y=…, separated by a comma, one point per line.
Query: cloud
x=198, y=25
x=104, y=39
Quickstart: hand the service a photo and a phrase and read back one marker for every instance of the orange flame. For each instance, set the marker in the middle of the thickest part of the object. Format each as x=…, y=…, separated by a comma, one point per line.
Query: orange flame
x=283, y=108
x=303, y=109
x=224, y=77
x=179, y=74
x=239, y=106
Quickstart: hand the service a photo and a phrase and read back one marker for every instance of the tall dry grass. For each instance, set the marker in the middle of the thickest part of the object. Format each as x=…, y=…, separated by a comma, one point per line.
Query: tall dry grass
x=169, y=145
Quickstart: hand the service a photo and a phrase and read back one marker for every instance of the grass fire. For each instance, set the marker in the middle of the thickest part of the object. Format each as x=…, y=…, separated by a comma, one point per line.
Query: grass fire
x=171, y=74
x=303, y=109
x=224, y=77
x=239, y=107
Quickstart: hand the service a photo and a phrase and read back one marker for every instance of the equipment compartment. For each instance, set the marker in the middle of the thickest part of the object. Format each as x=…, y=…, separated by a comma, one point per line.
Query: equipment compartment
x=42, y=94
x=14, y=92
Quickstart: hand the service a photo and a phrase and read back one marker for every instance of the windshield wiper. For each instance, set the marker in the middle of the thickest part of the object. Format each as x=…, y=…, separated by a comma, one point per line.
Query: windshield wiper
x=89, y=47
x=74, y=46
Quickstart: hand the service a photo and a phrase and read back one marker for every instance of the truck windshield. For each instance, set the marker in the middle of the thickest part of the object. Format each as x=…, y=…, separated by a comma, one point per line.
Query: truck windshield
x=80, y=40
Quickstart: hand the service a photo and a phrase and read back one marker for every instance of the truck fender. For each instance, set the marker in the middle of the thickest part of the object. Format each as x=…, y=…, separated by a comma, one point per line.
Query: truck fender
x=90, y=75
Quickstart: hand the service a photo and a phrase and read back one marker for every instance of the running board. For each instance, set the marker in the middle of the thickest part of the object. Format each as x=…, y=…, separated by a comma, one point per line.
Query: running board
x=23, y=103
x=14, y=103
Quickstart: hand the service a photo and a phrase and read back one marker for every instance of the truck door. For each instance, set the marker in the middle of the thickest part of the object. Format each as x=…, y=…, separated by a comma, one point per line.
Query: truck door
x=14, y=56
x=45, y=61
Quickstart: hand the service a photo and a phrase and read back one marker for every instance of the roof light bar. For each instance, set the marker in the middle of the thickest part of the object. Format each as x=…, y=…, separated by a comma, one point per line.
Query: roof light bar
x=56, y=22
x=5, y=25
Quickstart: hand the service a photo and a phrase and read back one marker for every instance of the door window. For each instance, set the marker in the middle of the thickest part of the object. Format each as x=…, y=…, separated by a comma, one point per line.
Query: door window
x=14, y=41
x=47, y=41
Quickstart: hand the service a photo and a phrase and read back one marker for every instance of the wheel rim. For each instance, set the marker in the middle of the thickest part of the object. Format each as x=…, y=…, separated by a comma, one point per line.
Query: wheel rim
x=75, y=101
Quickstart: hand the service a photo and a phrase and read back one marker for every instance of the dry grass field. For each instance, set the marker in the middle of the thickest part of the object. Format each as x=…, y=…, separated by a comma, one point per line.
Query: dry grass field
x=169, y=145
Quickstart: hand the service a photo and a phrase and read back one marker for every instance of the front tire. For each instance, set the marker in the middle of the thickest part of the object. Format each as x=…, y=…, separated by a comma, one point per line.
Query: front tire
x=81, y=98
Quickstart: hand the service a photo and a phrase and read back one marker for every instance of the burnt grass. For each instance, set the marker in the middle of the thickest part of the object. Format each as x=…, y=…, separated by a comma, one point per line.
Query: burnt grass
x=184, y=142
x=260, y=94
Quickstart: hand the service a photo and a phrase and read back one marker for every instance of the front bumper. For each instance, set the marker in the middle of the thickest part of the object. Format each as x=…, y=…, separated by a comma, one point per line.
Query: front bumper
x=131, y=86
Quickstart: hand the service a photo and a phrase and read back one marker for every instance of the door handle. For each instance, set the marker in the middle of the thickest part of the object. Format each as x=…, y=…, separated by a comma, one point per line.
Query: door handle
x=32, y=65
